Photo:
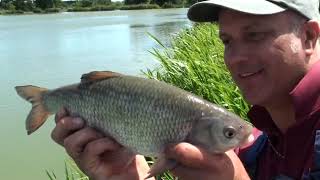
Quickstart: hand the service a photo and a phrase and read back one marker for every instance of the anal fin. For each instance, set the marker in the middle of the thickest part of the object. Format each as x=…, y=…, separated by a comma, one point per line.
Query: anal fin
x=161, y=165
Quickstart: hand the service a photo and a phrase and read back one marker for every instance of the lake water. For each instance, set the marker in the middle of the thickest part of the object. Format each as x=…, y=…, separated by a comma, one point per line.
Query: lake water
x=54, y=50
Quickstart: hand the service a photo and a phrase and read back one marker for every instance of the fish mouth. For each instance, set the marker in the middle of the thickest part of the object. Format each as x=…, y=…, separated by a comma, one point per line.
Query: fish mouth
x=248, y=140
x=247, y=130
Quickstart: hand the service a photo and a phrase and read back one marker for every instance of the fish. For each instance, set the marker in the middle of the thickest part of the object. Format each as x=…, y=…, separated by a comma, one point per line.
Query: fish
x=143, y=115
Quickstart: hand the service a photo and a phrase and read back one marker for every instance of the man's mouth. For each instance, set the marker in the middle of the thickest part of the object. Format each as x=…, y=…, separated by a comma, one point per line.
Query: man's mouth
x=249, y=74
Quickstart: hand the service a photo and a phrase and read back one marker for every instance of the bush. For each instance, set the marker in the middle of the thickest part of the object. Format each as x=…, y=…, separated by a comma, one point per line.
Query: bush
x=170, y=5
x=95, y=8
x=84, y=3
x=37, y=10
x=103, y=8
x=140, y=6
x=79, y=9
x=13, y=12
x=52, y=10
x=18, y=12
x=10, y=6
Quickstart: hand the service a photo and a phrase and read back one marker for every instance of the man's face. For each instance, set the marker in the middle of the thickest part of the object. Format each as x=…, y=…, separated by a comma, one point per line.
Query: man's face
x=265, y=57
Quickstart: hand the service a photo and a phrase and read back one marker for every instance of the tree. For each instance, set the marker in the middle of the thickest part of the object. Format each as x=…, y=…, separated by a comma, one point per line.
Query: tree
x=9, y=6
x=84, y=3
x=102, y=2
x=57, y=3
x=44, y=4
x=24, y=5
x=162, y=2
x=130, y=2
x=4, y=4
x=159, y=2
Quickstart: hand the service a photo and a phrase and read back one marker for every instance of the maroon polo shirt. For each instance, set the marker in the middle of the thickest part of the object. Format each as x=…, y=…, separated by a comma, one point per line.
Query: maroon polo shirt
x=297, y=144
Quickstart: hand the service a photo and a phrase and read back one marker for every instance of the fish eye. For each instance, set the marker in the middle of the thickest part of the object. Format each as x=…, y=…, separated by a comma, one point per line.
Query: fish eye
x=229, y=132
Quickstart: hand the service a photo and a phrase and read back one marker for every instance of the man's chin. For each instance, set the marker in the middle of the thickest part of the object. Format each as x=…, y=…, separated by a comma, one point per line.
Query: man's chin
x=258, y=99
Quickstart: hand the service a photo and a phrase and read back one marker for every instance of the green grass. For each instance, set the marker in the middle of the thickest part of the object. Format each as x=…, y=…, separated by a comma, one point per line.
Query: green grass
x=72, y=172
x=193, y=61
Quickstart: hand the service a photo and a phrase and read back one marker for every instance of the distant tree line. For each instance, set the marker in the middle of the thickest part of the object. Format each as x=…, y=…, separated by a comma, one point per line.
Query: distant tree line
x=161, y=2
x=29, y=5
x=45, y=5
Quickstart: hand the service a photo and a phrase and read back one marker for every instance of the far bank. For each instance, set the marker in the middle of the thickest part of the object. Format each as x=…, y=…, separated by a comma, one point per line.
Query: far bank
x=20, y=7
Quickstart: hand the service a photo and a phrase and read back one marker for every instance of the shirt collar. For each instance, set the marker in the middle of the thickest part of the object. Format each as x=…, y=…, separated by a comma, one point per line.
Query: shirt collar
x=306, y=95
x=306, y=100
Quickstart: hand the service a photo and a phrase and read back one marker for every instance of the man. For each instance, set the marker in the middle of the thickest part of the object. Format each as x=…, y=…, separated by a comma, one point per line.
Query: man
x=272, y=52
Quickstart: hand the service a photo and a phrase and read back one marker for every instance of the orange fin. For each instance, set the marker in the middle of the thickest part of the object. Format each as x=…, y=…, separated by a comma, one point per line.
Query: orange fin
x=38, y=114
x=98, y=76
x=161, y=165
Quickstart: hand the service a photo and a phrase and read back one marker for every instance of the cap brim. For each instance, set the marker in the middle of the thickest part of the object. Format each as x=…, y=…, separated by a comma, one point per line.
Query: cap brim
x=207, y=11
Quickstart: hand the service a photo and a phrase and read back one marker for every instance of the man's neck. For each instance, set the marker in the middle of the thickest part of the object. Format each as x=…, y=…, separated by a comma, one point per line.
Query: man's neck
x=282, y=113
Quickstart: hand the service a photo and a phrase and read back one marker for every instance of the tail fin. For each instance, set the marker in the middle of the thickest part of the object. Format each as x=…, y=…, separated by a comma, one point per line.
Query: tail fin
x=39, y=113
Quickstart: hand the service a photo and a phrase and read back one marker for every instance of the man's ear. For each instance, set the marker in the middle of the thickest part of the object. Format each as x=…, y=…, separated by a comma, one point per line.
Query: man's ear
x=312, y=33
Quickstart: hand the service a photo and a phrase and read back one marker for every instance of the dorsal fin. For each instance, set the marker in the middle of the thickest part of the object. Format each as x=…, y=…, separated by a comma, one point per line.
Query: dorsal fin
x=98, y=76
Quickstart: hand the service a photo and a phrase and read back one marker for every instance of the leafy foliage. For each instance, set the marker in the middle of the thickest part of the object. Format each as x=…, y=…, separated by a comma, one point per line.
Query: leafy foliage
x=140, y=6
x=44, y=4
x=24, y=5
x=131, y=2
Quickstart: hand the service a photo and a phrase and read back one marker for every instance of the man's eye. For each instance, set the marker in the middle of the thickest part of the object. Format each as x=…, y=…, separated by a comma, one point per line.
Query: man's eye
x=256, y=36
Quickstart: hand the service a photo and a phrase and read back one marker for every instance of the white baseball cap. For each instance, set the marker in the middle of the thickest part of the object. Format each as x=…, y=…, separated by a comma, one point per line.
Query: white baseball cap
x=208, y=11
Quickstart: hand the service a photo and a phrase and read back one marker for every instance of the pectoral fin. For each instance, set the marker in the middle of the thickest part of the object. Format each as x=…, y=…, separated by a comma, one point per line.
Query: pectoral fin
x=161, y=165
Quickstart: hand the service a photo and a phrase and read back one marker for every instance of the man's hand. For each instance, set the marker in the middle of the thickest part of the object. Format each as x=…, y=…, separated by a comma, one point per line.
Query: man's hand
x=195, y=163
x=100, y=157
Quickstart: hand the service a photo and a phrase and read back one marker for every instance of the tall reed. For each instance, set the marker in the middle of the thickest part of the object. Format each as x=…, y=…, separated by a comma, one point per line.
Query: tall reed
x=72, y=172
x=194, y=61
